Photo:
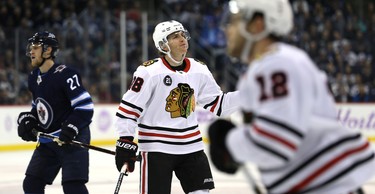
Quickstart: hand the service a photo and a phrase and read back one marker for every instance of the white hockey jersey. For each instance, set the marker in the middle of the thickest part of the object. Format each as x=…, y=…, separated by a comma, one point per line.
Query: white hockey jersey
x=295, y=137
x=161, y=103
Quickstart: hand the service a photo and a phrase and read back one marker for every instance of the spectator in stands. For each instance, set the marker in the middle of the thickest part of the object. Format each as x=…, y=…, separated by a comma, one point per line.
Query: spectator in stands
x=336, y=30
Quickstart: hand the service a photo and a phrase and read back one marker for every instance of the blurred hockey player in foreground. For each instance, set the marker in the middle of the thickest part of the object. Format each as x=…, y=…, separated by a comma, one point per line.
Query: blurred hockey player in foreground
x=161, y=104
x=290, y=130
x=61, y=106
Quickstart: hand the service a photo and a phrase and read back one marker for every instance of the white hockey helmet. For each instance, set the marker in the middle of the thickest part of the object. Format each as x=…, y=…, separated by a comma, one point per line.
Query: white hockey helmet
x=278, y=14
x=163, y=29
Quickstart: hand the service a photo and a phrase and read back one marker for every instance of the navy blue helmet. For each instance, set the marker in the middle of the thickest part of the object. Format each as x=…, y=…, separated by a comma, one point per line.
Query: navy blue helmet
x=45, y=39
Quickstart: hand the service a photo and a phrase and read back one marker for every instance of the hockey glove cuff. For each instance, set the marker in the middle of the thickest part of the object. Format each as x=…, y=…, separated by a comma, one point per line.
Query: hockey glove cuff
x=126, y=151
x=220, y=156
x=68, y=132
x=26, y=123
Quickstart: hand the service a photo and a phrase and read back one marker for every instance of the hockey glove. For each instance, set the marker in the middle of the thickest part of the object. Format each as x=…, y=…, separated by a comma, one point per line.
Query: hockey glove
x=26, y=123
x=68, y=132
x=125, y=153
x=219, y=153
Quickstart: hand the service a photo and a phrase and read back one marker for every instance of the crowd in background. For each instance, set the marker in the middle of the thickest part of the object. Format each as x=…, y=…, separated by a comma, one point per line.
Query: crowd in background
x=337, y=34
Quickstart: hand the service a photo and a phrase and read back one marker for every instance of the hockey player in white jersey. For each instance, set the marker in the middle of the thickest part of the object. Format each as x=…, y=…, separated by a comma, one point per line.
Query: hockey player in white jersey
x=290, y=130
x=161, y=105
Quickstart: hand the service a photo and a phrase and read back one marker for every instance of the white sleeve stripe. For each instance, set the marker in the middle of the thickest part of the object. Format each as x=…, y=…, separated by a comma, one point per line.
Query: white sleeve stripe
x=81, y=97
x=86, y=107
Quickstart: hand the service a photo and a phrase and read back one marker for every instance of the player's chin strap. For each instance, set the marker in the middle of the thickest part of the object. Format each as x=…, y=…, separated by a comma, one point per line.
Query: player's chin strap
x=41, y=64
x=250, y=39
x=44, y=60
x=178, y=62
x=170, y=56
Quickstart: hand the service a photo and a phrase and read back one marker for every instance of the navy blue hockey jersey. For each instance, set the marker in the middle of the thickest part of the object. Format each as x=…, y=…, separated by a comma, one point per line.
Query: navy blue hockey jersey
x=59, y=96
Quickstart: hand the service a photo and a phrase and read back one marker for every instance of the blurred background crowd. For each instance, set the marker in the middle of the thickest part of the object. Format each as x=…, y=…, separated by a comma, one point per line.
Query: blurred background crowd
x=338, y=35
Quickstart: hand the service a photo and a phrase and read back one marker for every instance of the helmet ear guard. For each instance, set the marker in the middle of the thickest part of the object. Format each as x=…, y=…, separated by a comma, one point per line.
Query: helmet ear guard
x=45, y=54
x=163, y=45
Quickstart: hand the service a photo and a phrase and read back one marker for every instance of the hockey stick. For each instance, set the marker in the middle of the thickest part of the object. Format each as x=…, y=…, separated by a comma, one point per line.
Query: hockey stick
x=124, y=171
x=74, y=143
x=253, y=183
x=83, y=145
x=121, y=176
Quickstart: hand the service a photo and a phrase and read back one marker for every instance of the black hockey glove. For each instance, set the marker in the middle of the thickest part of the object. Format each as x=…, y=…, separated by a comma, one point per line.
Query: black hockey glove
x=26, y=123
x=219, y=153
x=126, y=151
x=68, y=132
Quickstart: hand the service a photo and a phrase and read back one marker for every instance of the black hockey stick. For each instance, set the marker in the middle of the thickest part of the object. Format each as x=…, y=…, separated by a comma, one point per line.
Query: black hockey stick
x=124, y=171
x=121, y=176
x=83, y=145
x=250, y=177
x=74, y=143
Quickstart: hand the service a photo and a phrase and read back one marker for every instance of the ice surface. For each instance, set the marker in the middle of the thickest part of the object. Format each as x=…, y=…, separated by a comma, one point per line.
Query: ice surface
x=104, y=175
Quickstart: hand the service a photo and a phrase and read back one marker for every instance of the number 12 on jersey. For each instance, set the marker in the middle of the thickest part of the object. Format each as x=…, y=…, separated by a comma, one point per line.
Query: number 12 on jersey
x=278, y=86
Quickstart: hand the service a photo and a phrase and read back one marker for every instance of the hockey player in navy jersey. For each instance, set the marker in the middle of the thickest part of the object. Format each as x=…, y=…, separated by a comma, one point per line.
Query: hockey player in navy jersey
x=161, y=104
x=290, y=129
x=60, y=106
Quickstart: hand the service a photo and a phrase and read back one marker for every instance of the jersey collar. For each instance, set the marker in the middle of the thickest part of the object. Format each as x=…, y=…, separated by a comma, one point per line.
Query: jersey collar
x=186, y=69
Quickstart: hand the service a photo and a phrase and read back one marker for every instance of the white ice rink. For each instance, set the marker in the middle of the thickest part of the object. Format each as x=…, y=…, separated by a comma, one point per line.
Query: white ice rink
x=104, y=175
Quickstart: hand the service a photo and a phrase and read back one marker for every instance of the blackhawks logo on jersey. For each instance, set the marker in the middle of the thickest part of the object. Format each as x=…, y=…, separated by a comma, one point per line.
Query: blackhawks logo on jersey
x=150, y=62
x=180, y=101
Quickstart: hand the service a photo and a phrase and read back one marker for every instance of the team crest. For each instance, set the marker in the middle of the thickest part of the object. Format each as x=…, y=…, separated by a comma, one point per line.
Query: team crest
x=180, y=101
x=45, y=112
x=150, y=62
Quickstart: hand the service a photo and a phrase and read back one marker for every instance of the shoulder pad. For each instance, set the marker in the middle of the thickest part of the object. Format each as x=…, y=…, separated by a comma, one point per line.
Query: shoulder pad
x=201, y=62
x=150, y=62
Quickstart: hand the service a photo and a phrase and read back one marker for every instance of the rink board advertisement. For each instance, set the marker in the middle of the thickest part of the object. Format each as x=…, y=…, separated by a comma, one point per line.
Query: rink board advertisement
x=353, y=116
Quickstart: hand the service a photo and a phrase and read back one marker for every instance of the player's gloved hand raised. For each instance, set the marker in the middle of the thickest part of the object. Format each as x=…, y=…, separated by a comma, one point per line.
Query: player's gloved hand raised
x=219, y=153
x=68, y=132
x=26, y=123
x=126, y=151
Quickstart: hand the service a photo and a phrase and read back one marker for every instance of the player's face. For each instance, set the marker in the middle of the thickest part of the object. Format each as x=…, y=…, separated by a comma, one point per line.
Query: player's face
x=178, y=43
x=235, y=41
x=35, y=51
